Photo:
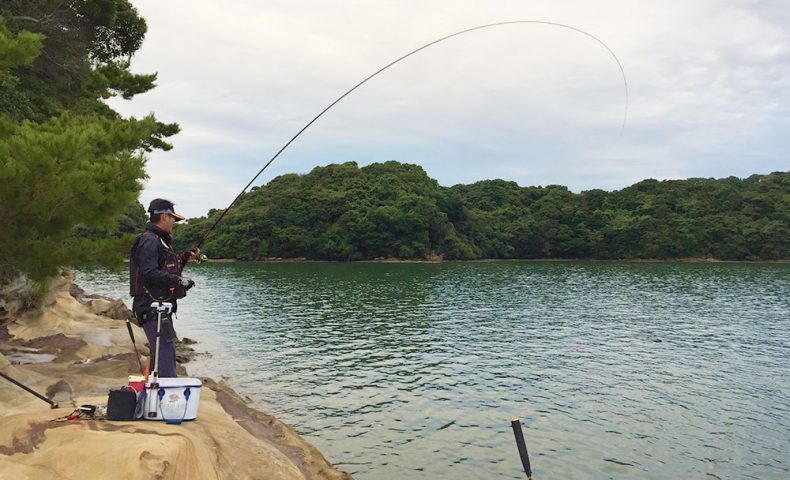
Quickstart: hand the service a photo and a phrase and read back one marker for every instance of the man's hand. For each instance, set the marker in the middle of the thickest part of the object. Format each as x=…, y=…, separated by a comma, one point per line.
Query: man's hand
x=194, y=254
x=187, y=283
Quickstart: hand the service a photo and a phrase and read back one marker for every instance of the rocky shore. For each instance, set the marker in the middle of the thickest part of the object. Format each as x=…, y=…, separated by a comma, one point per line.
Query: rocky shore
x=73, y=350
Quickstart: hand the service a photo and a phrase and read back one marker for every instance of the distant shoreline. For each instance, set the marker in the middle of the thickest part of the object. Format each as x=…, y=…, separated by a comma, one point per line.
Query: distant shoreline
x=497, y=260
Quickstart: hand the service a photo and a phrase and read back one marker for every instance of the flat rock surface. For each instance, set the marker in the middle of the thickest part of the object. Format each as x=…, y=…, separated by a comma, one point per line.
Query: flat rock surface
x=92, y=353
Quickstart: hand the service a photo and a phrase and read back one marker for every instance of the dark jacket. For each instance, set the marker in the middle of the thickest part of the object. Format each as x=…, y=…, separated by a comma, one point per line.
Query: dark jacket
x=155, y=270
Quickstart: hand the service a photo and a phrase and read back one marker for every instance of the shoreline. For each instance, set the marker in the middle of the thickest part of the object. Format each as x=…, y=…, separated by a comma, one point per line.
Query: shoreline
x=498, y=260
x=76, y=348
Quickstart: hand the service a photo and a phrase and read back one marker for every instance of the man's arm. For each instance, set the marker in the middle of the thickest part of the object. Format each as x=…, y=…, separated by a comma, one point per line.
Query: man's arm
x=148, y=260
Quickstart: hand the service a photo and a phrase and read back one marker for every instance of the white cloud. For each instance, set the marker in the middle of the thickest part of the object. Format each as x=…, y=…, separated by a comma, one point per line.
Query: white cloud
x=529, y=103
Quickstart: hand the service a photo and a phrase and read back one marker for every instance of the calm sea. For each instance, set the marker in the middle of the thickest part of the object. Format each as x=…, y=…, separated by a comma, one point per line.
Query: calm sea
x=616, y=370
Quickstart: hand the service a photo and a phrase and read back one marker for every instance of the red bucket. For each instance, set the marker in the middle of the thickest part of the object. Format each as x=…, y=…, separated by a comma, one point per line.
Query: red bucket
x=136, y=383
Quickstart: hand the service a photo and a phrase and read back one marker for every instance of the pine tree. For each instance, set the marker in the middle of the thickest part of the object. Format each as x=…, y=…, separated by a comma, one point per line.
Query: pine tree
x=66, y=158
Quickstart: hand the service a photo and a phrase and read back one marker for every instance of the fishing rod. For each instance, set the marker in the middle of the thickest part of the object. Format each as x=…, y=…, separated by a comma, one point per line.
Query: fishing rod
x=447, y=37
x=29, y=390
x=136, y=353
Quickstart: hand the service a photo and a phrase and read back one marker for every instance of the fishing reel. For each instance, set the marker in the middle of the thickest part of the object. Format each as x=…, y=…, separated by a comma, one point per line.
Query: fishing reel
x=201, y=258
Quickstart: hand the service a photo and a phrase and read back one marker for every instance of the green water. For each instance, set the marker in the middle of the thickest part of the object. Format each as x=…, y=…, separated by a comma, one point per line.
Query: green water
x=415, y=370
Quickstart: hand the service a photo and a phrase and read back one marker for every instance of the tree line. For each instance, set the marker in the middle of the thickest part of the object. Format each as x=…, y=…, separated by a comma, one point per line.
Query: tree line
x=395, y=210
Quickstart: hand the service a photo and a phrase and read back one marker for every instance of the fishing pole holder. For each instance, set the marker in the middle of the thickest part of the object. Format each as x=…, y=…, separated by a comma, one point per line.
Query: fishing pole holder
x=161, y=308
x=165, y=307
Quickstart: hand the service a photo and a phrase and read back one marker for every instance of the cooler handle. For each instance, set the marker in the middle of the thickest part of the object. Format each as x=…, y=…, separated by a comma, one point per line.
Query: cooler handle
x=174, y=421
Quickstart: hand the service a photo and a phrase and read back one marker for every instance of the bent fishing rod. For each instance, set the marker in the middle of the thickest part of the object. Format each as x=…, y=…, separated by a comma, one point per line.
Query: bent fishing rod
x=385, y=67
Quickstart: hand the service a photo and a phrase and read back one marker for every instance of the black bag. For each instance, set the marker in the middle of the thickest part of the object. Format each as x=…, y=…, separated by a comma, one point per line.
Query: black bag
x=121, y=404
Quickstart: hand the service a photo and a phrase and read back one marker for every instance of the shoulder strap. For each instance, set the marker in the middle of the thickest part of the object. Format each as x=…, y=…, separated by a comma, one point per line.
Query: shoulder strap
x=140, y=237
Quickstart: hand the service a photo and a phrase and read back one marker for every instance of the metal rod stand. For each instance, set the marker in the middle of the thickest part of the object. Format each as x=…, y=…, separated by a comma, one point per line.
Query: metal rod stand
x=161, y=308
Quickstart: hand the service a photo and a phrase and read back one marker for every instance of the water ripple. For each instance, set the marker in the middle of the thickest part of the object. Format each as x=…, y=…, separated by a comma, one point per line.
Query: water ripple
x=616, y=370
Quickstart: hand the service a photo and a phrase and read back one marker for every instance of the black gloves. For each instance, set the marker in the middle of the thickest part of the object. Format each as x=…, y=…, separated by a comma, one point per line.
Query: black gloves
x=187, y=283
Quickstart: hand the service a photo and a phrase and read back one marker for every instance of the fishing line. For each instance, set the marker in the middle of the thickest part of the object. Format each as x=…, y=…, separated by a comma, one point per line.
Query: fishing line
x=447, y=37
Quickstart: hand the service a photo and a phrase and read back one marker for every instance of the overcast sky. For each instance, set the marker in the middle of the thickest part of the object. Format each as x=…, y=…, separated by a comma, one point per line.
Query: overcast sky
x=708, y=85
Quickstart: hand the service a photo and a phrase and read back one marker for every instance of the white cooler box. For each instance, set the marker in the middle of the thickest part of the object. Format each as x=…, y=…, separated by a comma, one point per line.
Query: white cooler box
x=175, y=400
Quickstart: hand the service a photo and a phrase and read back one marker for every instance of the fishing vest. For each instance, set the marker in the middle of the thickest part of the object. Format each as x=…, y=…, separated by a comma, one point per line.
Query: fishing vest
x=168, y=261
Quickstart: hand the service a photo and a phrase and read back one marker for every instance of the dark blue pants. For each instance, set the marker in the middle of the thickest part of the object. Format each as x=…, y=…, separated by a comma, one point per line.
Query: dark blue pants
x=167, y=345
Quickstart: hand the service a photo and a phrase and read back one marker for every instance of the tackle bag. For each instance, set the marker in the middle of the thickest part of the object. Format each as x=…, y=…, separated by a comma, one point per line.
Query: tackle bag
x=121, y=404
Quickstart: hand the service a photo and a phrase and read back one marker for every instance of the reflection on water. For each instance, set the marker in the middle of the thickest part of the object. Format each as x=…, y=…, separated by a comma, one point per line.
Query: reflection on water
x=414, y=371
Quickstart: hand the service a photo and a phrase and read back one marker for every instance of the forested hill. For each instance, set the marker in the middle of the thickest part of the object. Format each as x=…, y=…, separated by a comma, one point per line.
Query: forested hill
x=394, y=210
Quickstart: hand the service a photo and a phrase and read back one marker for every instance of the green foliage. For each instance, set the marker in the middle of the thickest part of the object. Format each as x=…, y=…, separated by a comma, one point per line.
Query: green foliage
x=337, y=212
x=393, y=210
x=130, y=221
x=115, y=78
x=18, y=50
x=67, y=170
x=70, y=166
x=84, y=59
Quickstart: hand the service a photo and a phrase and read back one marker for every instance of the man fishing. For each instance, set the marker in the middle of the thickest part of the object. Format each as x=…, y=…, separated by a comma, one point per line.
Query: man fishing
x=155, y=275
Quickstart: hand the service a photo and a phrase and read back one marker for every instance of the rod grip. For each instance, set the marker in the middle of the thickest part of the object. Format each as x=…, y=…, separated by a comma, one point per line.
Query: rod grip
x=129, y=327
